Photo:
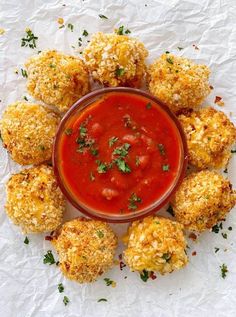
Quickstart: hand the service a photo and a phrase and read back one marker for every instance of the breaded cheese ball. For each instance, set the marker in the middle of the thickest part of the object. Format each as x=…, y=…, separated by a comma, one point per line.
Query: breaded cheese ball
x=34, y=200
x=203, y=199
x=86, y=249
x=27, y=131
x=57, y=79
x=178, y=81
x=155, y=244
x=210, y=136
x=116, y=60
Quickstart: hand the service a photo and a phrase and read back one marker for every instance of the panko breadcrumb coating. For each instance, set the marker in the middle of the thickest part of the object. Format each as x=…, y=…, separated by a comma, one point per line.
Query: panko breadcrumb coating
x=116, y=60
x=27, y=131
x=86, y=249
x=210, y=136
x=57, y=79
x=34, y=200
x=178, y=82
x=155, y=244
x=203, y=199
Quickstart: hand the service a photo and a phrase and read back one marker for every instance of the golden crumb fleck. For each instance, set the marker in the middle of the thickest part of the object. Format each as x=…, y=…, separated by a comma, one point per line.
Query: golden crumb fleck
x=2, y=31
x=202, y=200
x=155, y=244
x=34, y=200
x=27, y=132
x=210, y=136
x=86, y=249
x=116, y=60
x=178, y=81
x=60, y=20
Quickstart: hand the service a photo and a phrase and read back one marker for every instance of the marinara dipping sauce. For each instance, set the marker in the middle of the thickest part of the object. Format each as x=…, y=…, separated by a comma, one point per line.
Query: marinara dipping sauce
x=119, y=154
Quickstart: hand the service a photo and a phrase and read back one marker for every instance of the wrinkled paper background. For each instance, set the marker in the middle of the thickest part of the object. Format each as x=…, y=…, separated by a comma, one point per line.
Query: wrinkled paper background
x=28, y=288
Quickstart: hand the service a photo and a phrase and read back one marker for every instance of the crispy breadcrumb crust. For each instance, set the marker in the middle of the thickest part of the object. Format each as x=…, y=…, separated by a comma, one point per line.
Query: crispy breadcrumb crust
x=210, y=136
x=86, y=249
x=34, y=200
x=203, y=199
x=57, y=79
x=178, y=81
x=27, y=131
x=116, y=60
x=155, y=244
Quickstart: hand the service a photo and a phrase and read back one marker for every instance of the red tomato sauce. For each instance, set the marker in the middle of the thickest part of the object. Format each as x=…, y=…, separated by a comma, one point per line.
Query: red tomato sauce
x=121, y=154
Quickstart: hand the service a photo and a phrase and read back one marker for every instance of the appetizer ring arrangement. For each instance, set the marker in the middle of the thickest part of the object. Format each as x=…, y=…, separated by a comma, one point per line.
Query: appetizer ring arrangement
x=35, y=202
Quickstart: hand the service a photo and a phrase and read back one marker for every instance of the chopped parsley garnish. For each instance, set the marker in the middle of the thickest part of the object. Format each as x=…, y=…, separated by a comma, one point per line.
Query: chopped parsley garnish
x=25, y=98
x=166, y=256
x=60, y=288
x=68, y=131
x=167, y=52
x=101, y=16
x=170, y=211
x=102, y=167
x=42, y=147
x=217, y=249
x=144, y=275
x=82, y=131
x=133, y=201
x=85, y=33
x=100, y=233
x=119, y=72
x=102, y=300
x=49, y=258
x=137, y=161
x=29, y=40
x=224, y=270
x=108, y=281
x=122, y=165
x=112, y=141
x=66, y=300
x=170, y=60
x=24, y=73
x=148, y=105
x=122, y=31
x=224, y=235
x=70, y=26
x=161, y=149
x=26, y=241
x=166, y=168
x=233, y=151
x=216, y=228
x=122, y=150
x=180, y=48
x=94, y=151
x=230, y=228
x=92, y=177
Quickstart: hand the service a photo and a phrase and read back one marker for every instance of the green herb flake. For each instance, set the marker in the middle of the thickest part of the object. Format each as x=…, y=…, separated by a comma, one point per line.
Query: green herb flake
x=180, y=48
x=26, y=241
x=94, y=151
x=127, y=31
x=170, y=60
x=122, y=31
x=157, y=222
x=137, y=161
x=82, y=131
x=85, y=33
x=230, y=228
x=133, y=201
x=66, y=300
x=24, y=73
x=224, y=270
x=101, y=16
x=166, y=256
x=161, y=149
x=102, y=300
x=70, y=26
x=60, y=288
x=167, y=52
x=52, y=65
x=29, y=40
x=216, y=249
x=68, y=131
x=216, y=228
x=122, y=150
x=108, y=281
x=119, y=72
x=166, y=168
x=25, y=98
x=102, y=167
x=144, y=275
x=100, y=234
x=224, y=235
x=42, y=147
x=92, y=177
x=49, y=258
x=225, y=170
x=233, y=151
x=170, y=211
x=122, y=165
x=112, y=141
x=148, y=105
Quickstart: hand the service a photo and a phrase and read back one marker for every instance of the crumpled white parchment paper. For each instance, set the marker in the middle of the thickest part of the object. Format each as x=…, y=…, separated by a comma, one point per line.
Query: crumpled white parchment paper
x=28, y=288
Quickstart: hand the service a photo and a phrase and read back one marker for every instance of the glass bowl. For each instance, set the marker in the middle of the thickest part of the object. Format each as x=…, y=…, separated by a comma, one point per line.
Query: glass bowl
x=75, y=111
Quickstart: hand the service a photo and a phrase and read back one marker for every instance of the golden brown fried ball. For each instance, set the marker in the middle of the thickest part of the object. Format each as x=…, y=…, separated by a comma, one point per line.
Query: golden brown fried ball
x=116, y=60
x=86, y=249
x=57, y=79
x=155, y=244
x=27, y=132
x=34, y=200
x=203, y=199
x=210, y=135
x=178, y=82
